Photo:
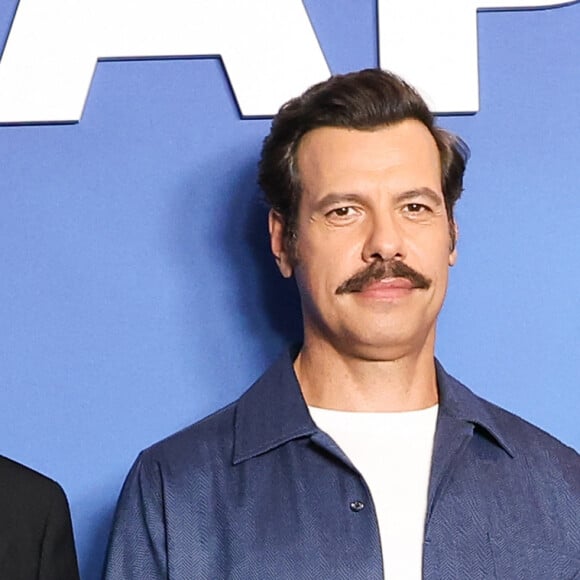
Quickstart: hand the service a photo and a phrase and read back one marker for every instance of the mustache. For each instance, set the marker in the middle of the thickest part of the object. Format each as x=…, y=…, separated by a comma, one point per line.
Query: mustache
x=381, y=269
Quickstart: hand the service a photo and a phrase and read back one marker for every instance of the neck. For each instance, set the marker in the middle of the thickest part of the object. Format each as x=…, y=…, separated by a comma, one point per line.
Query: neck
x=335, y=380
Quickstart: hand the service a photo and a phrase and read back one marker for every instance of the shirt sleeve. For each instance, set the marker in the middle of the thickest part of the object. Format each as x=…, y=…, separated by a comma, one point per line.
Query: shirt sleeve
x=137, y=546
x=58, y=559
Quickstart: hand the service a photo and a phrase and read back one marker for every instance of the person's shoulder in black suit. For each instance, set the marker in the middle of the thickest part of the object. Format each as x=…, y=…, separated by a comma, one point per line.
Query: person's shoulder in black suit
x=36, y=537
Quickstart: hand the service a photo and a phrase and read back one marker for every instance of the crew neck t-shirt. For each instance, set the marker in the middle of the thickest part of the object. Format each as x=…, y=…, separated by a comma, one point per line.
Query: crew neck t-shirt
x=392, y=451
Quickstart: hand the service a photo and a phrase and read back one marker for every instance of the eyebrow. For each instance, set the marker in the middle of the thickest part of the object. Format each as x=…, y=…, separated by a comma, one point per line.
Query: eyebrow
x=436, y=198
x=335, y=198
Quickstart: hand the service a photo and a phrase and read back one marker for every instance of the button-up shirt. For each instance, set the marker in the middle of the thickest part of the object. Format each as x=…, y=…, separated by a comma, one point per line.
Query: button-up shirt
x=257, y=491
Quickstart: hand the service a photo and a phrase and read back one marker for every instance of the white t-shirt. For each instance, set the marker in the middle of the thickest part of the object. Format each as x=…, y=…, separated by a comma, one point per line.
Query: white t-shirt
x=392, y=451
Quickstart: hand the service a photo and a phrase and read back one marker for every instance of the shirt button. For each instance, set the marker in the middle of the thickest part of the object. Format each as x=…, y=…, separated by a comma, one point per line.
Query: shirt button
x=357, y=506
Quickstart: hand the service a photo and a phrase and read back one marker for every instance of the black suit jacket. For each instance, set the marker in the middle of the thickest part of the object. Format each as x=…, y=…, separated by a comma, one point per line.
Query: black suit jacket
x=36, y=538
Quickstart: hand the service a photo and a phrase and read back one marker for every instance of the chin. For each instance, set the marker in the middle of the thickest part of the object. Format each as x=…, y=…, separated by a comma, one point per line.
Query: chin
x=379, y=349
x=388, y=342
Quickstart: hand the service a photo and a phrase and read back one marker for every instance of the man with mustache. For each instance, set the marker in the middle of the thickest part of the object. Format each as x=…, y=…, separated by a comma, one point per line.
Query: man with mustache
x=356, y=456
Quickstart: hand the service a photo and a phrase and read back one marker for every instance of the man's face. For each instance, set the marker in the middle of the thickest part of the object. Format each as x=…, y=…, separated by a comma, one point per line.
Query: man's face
x=373, y=245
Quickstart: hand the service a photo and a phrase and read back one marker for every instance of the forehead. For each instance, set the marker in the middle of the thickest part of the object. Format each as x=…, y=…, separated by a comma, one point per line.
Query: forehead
x=398, y=156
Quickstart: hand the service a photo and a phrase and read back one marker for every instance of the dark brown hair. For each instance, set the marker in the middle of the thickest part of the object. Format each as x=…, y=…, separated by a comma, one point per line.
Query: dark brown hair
x=363, y=100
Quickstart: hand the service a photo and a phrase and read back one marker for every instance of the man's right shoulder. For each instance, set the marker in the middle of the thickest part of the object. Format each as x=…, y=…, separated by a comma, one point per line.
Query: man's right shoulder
x=208, y=441
x=270, y=408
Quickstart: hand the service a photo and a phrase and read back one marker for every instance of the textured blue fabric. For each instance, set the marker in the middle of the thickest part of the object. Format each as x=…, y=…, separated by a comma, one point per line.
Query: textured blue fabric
x=256, y=491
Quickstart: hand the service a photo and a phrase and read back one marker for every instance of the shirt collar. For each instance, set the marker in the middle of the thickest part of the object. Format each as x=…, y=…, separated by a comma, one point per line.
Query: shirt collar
x=273, y=411
x=458, y=402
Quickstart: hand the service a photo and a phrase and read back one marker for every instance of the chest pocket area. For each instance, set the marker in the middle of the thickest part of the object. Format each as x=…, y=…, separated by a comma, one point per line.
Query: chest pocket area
x=518, y=561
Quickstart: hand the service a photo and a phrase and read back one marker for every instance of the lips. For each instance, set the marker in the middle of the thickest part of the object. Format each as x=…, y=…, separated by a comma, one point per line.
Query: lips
x=388, y=289
x=391, y=283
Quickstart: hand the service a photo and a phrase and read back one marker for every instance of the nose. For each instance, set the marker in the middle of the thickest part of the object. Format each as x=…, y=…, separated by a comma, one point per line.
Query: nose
x=384, y=239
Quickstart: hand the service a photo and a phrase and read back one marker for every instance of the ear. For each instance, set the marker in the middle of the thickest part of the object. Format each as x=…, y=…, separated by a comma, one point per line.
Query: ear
x=453, y=252
x=277, y=228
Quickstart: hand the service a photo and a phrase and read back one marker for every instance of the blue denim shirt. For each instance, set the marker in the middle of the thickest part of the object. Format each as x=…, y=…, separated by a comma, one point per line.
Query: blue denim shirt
x=257, y=491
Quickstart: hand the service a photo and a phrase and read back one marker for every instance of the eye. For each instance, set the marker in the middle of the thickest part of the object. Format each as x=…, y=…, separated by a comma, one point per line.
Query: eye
x=342, y=211
x=343, y=215
x=416, y=208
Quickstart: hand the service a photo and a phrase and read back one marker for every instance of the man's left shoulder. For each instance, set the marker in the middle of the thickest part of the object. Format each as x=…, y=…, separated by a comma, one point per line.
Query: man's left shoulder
x=538, y=450
x=518, y=437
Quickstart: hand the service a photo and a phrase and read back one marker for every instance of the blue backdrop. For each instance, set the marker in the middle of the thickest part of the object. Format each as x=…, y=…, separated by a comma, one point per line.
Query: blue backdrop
x=137, y=293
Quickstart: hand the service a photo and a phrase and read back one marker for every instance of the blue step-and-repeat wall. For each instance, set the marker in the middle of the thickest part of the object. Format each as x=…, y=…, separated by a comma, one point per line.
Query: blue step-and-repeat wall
x=137, y=293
